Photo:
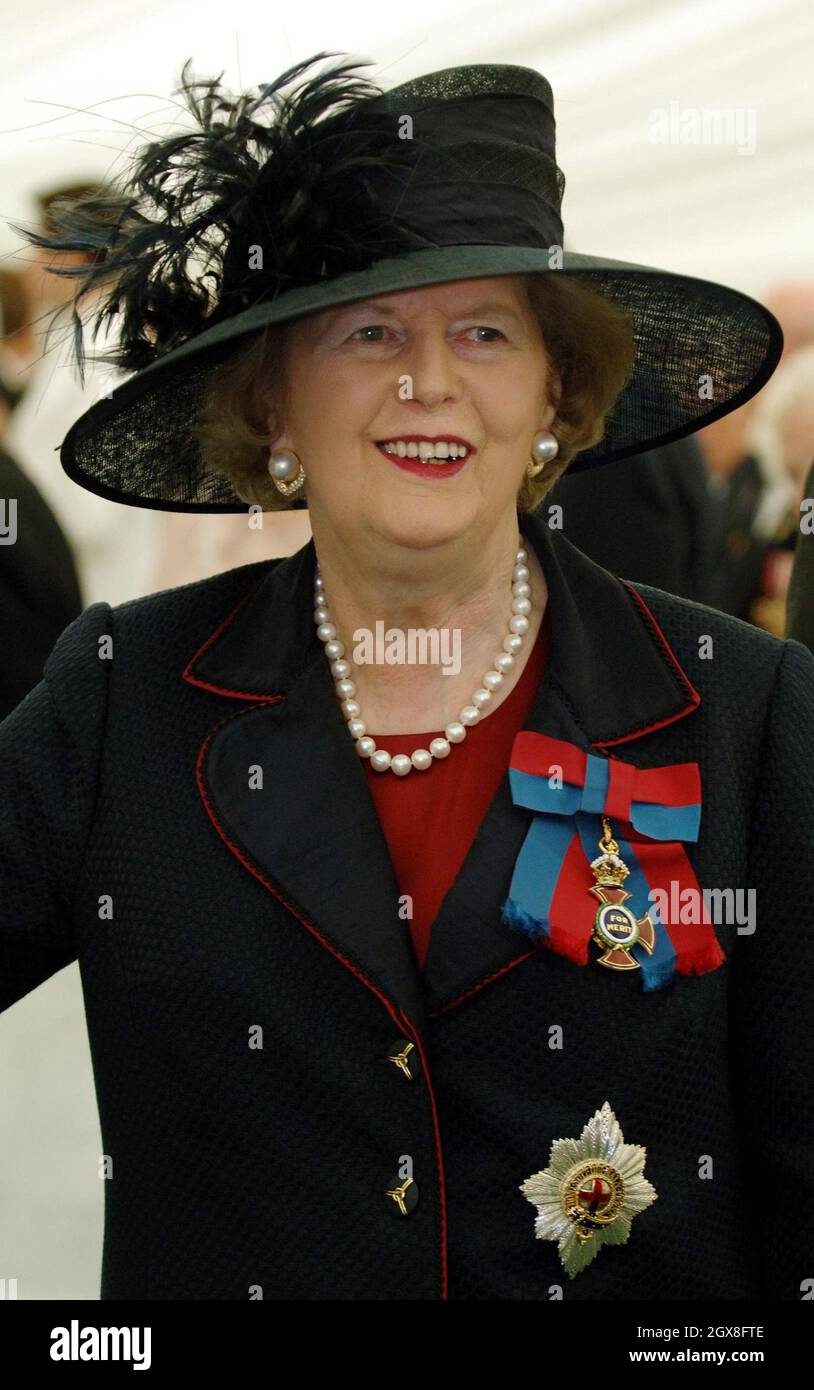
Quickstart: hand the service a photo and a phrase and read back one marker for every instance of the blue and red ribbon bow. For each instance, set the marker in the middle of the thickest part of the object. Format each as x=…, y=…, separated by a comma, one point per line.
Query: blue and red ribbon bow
x=651, y=811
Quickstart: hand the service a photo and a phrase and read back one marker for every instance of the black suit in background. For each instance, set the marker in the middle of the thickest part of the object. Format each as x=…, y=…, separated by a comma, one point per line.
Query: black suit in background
x=800, y=602
x=743, y=552
x=649, y=518
x=39, y=587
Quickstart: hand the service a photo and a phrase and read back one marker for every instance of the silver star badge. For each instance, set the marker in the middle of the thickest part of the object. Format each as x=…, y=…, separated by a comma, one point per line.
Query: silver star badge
x=590, y=1191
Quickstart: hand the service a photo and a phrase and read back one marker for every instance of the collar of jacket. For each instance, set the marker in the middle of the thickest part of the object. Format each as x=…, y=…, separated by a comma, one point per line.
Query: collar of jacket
x=311, y=833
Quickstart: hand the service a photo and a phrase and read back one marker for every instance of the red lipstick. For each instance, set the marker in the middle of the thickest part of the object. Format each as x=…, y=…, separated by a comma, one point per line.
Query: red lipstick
x=420, y=466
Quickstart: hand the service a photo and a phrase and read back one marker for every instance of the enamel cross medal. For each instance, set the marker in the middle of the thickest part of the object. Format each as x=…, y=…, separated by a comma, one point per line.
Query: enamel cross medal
x=616, y=929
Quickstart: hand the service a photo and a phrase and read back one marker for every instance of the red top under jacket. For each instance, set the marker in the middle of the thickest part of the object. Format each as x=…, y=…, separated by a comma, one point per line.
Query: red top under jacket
x=443, y=807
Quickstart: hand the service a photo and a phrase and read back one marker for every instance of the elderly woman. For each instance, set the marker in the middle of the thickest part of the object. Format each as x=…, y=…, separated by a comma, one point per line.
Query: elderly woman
x=443, y=902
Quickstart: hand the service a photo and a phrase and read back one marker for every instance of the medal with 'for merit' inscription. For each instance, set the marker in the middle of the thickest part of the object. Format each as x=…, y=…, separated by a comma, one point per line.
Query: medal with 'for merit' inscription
x=616, y=928
x=590, y=1191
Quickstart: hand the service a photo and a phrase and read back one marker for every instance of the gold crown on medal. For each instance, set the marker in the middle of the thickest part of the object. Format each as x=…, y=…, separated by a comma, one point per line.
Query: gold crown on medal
x=610, y=869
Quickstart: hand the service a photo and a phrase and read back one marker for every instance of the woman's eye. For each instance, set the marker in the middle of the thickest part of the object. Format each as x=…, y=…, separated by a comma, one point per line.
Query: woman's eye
x=369, y=328
x=485, y=328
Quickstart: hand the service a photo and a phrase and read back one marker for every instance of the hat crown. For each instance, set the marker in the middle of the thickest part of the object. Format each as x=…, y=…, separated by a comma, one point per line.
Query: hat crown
x=480, y=124
x=472, y=80
x=463, y=156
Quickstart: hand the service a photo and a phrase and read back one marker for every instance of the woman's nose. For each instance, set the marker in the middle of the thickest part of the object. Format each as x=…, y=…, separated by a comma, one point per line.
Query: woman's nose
x=433, y=369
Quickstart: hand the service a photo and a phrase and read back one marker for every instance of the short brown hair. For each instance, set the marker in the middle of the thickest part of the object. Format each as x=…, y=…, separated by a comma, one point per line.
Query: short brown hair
x=588, y=338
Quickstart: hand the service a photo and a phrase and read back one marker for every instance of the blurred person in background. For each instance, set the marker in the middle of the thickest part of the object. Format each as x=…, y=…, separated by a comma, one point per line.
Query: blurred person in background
x=39, y=586
x=114, y=547
x=18, y=345
x=800, y=598
x=736, y=479
x=780, y=438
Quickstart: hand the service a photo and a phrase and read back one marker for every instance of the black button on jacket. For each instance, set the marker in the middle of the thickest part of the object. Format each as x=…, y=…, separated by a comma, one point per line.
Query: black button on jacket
x=182, y=809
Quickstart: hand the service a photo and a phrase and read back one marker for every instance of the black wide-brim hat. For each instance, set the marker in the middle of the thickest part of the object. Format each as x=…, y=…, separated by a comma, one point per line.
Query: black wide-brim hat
x=349, y=192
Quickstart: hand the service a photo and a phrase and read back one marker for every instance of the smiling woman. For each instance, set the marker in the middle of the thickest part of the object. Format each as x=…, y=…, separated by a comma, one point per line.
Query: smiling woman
x=588, y=340
x=397, y=953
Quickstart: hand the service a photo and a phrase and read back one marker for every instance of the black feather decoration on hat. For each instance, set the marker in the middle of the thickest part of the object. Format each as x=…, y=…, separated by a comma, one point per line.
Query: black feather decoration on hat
x=211, y=221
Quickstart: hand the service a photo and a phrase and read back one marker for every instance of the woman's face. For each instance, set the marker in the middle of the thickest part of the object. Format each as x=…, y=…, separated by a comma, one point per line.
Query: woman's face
x=464, y=359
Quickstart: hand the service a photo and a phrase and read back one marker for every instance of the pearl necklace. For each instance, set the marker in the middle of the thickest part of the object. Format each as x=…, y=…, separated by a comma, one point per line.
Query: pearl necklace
x=455, y=732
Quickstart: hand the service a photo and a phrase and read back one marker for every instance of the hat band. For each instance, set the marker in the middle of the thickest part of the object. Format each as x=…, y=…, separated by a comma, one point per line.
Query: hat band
x=463, y=214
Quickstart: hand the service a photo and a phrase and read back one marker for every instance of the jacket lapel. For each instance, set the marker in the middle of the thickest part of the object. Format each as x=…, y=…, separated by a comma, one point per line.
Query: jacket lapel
x=311, y=834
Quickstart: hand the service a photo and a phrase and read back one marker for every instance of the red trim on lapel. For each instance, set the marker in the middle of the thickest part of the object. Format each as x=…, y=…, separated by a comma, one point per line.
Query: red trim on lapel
x=695, y=698
x=400, y=1019
x=213, y=637
x=488, y=981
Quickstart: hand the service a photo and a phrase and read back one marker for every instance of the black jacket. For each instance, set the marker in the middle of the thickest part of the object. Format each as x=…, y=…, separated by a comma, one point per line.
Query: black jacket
x=209, y=914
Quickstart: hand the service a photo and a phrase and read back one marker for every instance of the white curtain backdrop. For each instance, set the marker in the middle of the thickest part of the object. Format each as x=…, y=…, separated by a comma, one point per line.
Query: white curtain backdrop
x=746, y=218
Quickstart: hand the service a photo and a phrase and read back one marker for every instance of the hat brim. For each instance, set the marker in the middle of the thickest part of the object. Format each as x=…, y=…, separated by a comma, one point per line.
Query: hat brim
x=702, y=350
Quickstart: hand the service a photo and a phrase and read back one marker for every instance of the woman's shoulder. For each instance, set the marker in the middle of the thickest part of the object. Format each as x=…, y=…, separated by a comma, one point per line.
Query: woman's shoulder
x=202, y=596
x=146, y=636
x=745, y=678
x=698, y=633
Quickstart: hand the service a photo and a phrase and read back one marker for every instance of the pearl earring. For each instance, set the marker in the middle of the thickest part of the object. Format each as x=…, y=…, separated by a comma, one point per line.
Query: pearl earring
x=544, y=448
x=286, y=471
